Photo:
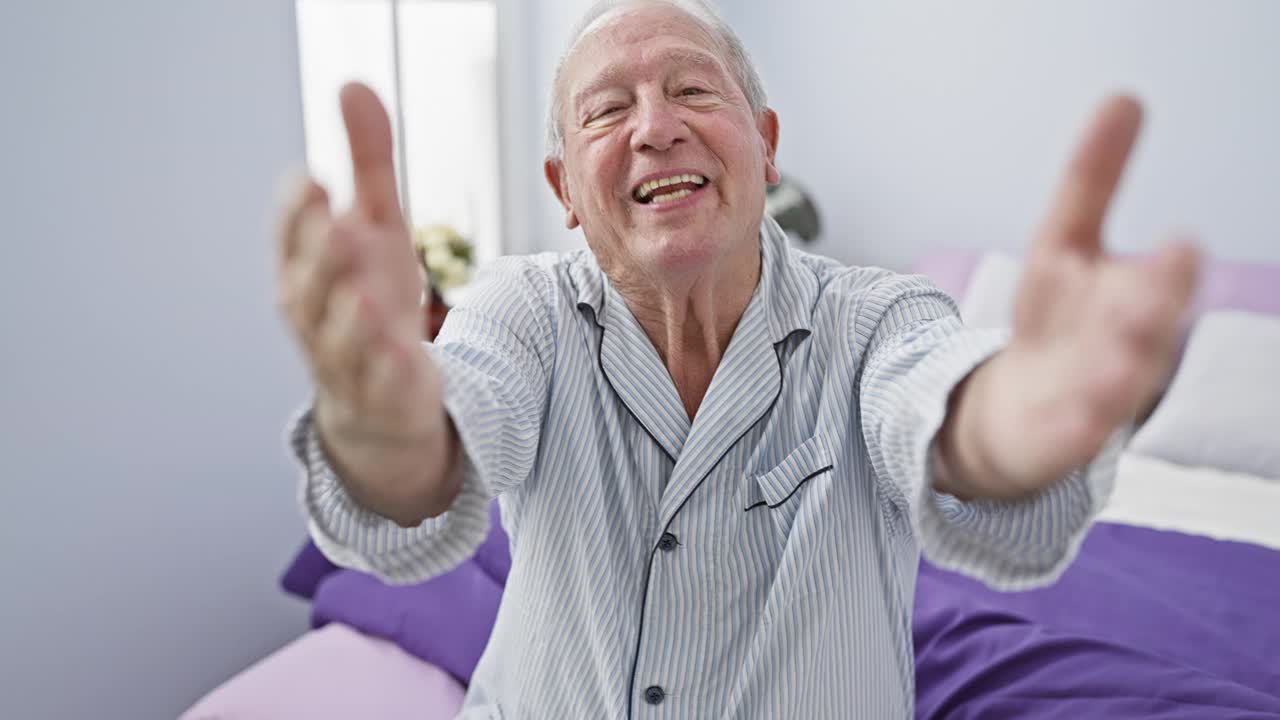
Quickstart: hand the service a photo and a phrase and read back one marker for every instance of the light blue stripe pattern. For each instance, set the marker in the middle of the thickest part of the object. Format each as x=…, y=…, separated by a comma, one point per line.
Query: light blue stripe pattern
x=798, y=501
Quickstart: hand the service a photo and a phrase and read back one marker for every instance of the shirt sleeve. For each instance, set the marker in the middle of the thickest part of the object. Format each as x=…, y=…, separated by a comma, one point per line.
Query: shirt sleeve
x=915, y=352
x=495, y=352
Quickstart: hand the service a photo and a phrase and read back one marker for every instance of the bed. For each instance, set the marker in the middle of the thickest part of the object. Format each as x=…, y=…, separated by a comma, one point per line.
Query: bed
x=1171, y=610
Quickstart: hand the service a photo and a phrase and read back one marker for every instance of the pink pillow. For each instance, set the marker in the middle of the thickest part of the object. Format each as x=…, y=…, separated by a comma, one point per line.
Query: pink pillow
x=949, y=269
x=334, y=672
x=1224, y=284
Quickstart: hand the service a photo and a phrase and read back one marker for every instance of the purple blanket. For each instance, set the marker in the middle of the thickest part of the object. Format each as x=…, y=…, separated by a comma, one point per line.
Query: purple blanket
x=1145, y=624
x=445, y=620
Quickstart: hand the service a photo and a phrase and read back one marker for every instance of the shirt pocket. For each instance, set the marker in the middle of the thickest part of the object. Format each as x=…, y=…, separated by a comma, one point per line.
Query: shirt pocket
x=780, y=491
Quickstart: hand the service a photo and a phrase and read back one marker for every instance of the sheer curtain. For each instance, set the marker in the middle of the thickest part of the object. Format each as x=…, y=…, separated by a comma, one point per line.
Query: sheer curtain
x=442, y=83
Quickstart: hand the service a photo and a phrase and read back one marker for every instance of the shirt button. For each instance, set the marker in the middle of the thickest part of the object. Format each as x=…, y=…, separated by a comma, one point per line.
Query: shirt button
x=654, y=694
x=667, y=542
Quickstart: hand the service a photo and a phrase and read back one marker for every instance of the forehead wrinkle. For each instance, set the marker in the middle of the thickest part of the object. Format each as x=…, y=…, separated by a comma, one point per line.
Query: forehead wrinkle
x=613, y=74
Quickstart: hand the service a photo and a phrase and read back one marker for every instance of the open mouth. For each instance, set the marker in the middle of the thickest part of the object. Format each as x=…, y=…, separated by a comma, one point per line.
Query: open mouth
x=668, y=189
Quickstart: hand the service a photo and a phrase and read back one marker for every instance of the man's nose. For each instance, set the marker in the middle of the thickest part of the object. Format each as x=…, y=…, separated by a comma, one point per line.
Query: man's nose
x=658, y=127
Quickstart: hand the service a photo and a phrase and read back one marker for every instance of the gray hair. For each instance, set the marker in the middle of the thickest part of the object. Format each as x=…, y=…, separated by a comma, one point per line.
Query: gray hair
x=735, y=53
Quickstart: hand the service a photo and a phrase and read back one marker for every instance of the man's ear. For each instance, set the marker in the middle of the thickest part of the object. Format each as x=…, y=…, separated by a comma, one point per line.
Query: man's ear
x=558, y=179
x=767, y=123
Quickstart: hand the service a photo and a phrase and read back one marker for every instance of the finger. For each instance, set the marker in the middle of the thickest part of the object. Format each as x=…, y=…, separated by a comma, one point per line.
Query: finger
x=345, y=340
x=372, y=163
x=1177, y=267
x=328, y=249
x=1162, y=287
x=1156, y=292
x=300, y=238
x=1148, y=316
x=305, y=195
x=289, y=190
x=1092, y=175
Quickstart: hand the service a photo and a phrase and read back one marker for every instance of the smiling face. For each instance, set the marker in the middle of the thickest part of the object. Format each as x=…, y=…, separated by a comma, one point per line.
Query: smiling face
x=665, y=164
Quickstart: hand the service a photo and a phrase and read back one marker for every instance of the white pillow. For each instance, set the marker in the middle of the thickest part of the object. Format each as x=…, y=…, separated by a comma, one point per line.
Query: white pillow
x=988, y=299
x=1223, y=407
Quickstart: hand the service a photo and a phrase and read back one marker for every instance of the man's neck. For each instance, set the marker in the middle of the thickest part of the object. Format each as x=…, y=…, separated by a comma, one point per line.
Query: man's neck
x=690, y=321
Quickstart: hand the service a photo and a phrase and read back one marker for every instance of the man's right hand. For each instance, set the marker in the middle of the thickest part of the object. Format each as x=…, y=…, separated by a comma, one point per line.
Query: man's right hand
x=351, y=289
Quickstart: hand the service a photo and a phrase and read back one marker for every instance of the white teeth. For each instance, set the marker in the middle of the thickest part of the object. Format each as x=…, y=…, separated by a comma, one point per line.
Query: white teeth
x=652, y=185
x=668, y=197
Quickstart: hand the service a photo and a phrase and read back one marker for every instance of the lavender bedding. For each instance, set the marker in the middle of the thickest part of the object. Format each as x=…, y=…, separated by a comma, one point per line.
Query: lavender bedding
x=1145, y=624
x=445, y=621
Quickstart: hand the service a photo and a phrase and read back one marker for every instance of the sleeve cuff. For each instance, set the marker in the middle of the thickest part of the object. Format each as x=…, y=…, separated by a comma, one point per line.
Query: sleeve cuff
x=913, y=382
x=357, y=538
x=1021, y=544
x=1008, y=545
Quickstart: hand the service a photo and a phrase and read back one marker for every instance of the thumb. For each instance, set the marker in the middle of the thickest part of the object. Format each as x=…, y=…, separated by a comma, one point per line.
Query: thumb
x=372, y=164
x=1177, y=265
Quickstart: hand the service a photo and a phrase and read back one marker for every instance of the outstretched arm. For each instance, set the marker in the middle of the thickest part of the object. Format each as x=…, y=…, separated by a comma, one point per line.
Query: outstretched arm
x=1094, y=337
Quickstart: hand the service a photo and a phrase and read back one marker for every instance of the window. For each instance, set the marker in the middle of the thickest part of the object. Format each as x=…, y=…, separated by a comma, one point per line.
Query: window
x=434, y=65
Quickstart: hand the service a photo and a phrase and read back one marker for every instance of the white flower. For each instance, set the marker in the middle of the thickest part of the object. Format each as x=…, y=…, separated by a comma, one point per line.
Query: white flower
x=452, y=273
x=438, y=256
x=446, y=253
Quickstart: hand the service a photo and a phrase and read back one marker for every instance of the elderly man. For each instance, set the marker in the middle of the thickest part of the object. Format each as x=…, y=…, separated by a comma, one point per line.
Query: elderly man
x=718, y=458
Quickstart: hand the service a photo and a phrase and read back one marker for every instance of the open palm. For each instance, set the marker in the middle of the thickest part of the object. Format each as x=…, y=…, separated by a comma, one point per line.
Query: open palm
x=1094, y=334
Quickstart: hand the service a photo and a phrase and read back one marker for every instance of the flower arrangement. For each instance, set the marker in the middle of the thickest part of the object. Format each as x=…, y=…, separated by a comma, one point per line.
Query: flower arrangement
x=444, y=255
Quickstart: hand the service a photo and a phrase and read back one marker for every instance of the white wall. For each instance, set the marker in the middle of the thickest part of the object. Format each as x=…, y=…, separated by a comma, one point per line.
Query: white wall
x=146, y=500
x=918, y=123
x=536, y=31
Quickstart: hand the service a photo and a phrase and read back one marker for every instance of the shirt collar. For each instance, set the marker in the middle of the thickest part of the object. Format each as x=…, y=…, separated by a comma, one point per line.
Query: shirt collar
x=788, y=289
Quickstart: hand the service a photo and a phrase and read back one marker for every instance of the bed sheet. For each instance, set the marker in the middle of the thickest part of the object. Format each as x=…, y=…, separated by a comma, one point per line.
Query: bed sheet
x=1198, y=501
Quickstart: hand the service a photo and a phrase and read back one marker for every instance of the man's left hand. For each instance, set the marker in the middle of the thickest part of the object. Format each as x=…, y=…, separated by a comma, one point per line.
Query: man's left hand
x=1094, y=337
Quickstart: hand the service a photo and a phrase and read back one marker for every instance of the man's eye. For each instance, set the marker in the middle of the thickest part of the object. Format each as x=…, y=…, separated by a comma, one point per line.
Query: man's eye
x=693, y=91
x=605, y=112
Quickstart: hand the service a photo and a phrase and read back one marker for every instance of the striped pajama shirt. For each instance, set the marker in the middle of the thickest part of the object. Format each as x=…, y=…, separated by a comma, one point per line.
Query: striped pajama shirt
x=759, y=562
